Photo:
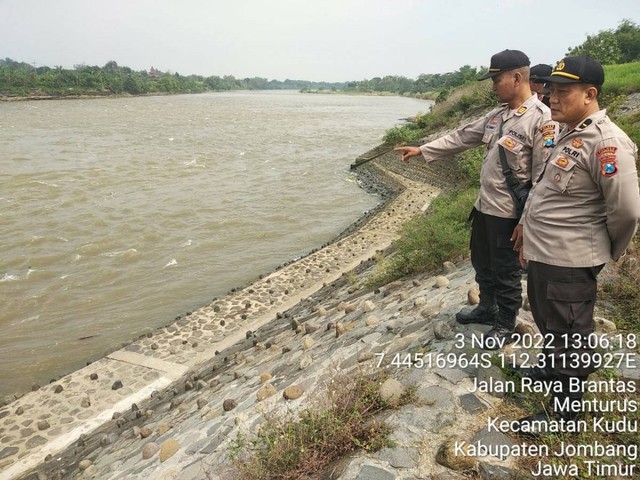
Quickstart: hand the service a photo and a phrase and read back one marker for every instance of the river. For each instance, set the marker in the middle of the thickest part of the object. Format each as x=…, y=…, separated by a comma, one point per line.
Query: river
x=118, y=214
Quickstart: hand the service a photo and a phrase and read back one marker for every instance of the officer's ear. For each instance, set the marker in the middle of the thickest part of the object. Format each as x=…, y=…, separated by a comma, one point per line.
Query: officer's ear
x=591, y=93
x=517, y=77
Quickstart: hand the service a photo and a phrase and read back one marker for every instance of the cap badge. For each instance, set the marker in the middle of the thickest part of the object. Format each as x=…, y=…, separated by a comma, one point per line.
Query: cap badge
x=560, y=65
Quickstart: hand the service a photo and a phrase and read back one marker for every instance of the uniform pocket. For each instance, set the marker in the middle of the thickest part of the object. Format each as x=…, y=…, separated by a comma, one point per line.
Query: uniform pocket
x=561, y=171
x=571, y=307
x=513, y=149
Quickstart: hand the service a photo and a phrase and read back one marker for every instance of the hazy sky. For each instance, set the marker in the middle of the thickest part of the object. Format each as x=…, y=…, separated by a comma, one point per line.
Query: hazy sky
x=331, y=40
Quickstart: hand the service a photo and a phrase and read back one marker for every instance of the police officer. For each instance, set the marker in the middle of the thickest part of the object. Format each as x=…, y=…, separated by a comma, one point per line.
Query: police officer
x=537, y=83
x=523, y=129
x=583, y=212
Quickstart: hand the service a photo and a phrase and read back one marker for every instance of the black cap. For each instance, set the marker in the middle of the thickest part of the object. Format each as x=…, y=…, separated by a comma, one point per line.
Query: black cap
x=505, y=61
x=581, y=69
x=538, y=72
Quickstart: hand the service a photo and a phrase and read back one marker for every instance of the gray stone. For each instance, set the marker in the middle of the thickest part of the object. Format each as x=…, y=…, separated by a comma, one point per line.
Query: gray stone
x=336, y=469
x=36, y=441
x=43, y=425
x=196, y=446
x=399, y=457
x=453, y=375
x=229, y=404
x=495, y=472
x=442, y=331
x=436, y=397
x=414, y=326
x=493, y=376
x=449, y=267
x=489, y=439
x=8, y=451
x=471, y=404
x=370, y=472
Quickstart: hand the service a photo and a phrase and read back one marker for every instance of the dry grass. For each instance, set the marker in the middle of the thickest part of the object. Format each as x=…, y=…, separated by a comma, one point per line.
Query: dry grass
x=299, y=447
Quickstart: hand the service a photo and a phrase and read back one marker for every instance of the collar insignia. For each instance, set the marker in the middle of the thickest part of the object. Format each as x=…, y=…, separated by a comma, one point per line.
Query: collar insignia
x=585, y=124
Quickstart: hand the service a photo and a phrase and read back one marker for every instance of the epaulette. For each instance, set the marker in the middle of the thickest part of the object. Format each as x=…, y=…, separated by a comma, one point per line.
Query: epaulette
x=584, y=125
x=520, y=111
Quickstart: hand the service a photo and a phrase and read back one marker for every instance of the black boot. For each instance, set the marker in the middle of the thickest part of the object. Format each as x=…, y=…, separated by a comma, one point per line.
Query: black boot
x=485, y=314
x=502, y=332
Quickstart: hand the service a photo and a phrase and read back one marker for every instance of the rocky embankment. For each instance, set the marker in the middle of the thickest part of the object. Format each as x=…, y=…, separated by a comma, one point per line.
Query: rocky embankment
x=171, y=404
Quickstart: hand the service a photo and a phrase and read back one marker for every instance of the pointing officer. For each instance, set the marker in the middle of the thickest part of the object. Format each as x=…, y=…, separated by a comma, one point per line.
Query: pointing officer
x=583, y=212
x=519, y=132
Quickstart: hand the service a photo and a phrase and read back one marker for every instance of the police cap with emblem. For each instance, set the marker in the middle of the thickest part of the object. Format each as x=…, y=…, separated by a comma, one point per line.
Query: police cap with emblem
x=580, y=69
x=505, y=61
x=539, y=72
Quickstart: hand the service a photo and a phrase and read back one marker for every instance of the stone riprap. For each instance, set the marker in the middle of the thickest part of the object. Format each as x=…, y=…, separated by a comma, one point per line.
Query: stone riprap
x=44, y=423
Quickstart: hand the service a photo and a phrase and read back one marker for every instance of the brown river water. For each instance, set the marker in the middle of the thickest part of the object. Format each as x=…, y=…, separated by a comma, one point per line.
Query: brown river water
x=118, y=214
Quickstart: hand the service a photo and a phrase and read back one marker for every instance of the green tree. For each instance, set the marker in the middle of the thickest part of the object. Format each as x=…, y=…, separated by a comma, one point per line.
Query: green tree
x=610, y=47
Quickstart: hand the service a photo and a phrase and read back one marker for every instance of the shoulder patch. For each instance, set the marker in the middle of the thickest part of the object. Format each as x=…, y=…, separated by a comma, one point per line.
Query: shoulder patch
x=607, y=157
x=548, y=134
x=606, y=153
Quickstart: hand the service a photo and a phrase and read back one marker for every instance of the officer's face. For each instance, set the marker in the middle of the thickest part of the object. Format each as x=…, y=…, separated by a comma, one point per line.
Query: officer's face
x=535, y=87
x=504, y=86
x=571, y=102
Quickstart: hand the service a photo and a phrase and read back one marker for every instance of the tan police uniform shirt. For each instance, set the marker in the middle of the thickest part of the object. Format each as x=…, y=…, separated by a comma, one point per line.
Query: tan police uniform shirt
x=585, y=209
x=522, y=132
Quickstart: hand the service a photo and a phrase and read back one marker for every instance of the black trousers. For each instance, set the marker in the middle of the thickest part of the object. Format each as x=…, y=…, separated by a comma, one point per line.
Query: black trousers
x=497, y=267
x=562, y=301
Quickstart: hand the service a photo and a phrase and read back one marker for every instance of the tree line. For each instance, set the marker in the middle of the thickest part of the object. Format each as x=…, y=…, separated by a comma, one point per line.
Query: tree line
x=24, y=79
x=614, y=46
